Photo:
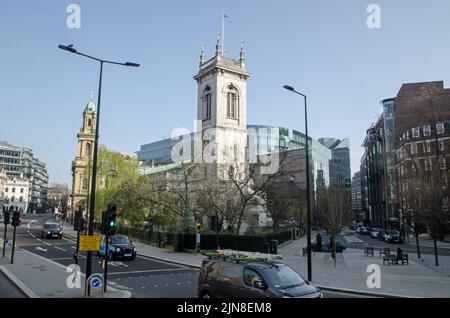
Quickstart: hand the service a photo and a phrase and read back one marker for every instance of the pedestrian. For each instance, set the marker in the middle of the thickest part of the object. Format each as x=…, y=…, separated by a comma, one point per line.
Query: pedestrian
x=318, y=242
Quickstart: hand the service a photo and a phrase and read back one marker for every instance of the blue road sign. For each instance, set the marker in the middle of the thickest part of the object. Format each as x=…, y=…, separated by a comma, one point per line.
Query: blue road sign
x=95, y=282
x=9, y=245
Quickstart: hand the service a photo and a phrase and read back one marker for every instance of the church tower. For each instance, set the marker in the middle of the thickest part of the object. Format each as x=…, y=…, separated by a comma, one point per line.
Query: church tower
x=85, y=153
x=222, y=111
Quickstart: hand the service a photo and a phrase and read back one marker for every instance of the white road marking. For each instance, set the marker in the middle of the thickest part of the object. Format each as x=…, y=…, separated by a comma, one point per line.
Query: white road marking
x=31, y=223
x=46, y=243
x=69, y=240
x=73, y=247
x=62, y=259
x=39, y=239
x=38, y=248
x=59, y=248
x=156, y=286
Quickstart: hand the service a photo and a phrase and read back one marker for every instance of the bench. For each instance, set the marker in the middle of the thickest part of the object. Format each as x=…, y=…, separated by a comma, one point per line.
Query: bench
x=368, y=251
x=402, y=258
x=390, y=259
x=386, y=251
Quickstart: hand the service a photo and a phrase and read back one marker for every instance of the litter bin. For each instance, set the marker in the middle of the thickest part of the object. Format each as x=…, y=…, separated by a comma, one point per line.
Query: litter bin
x=161, y=243
x=273, y=246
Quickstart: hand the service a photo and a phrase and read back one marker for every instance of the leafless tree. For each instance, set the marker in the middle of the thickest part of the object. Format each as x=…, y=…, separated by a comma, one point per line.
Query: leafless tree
x=333, y=212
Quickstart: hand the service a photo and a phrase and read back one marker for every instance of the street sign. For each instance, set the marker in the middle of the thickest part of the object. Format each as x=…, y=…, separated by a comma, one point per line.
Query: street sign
x=9, y=244
x=89, y=243
x=95, y=282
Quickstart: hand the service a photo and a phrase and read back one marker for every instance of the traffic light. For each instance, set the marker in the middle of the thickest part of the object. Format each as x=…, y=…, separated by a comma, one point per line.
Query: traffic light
x=78, y=217
x=16, y=218
x=110, y=219
x=80, y=223
x=6, y=216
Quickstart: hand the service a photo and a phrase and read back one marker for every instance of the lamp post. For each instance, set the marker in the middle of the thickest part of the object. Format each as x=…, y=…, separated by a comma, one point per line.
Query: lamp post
x=71, y=49
x=308, y=190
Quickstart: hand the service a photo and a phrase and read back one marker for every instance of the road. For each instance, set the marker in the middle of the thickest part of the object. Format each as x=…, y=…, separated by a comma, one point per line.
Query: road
x=144, y=277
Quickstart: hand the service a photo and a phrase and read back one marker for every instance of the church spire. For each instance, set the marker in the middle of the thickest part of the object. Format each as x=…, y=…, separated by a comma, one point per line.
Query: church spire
x=242, y=55
x=202, y=55
x=90, y=105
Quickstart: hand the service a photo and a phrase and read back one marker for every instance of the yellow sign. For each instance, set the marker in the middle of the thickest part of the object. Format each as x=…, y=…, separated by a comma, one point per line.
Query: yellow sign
x=89, y=243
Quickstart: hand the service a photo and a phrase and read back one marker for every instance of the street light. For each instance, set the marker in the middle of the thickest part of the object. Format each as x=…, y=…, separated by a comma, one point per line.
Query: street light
x=71, y=49
x=308, y=190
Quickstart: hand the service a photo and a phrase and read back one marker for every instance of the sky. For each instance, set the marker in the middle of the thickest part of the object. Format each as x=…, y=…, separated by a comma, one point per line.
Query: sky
x=323, y=48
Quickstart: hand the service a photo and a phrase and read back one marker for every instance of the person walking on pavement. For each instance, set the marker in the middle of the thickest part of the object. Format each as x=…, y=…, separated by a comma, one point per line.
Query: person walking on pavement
x=318, y=242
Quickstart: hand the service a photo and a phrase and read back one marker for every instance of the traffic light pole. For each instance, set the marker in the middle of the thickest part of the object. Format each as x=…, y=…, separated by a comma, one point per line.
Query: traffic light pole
x=105, y=278
x=14, y=244
x=4, y=240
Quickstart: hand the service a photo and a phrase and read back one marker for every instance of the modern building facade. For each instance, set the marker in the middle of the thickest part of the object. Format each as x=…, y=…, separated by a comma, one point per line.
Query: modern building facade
x=417, y=117
x=358, y=214
x=20, y=162
x=85, y=153
x=340, y=171
x=261, y=140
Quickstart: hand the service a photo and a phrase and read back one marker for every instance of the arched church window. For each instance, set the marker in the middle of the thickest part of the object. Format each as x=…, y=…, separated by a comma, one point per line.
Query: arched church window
x=207, y=102
x=88, y=150
x=89, y=122
x=232, y=102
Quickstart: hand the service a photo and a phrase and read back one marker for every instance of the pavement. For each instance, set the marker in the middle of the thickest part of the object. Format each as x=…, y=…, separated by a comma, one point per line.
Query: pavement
x=418, y=279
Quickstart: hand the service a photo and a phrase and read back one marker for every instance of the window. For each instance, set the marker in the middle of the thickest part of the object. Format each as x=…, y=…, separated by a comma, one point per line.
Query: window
x=88, y=150
x=427, y=131
x=427, y=146
x=13, y=190
x=414, y=148
x=231, y=274
x=207, y=102
x=442, y=163
x=21, y=190
x=89, y=122
x=251, y=278
x=21, y=199
x=440, y=128
x=6, y=189
x=441, y=145
x=428, y=165
x=232, y=103
x=415, y=132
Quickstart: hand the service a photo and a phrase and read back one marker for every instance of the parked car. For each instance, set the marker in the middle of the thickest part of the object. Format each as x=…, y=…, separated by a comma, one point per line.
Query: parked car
x=374, y=232
x=227, y=278
x=393, y=237
x=363, y=230
x=341, y=245
x=119, y=246
x=381, y=235
x=51, y=230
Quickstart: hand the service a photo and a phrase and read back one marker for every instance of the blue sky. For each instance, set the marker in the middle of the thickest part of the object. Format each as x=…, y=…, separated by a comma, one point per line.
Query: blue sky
x=323, y=48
